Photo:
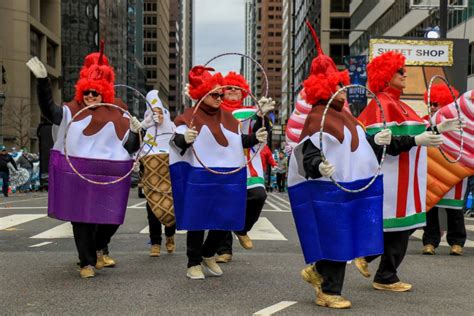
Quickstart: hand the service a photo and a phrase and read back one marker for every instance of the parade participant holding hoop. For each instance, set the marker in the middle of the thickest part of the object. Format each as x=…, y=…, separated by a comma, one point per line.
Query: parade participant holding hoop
x=404, y=170
x=440, y=97
x=91, y=153
x=156, y=180
x=333, y=225
x=209, y=178
x=256, y=194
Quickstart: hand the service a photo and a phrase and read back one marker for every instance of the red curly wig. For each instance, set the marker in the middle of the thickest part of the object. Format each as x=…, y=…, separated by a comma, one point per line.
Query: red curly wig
x=381, y=69
x=320, y=87
x=201, y=81
x=441, y=95
x=235, y=79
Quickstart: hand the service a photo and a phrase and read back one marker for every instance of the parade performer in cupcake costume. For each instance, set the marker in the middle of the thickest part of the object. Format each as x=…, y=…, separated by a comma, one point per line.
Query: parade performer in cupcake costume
x=256, y=194
x=204, y=200
x=99, y=144
x=156, y=178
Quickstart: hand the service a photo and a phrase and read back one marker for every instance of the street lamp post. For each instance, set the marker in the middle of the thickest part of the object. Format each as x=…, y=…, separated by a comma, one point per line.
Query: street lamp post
x=2, y=102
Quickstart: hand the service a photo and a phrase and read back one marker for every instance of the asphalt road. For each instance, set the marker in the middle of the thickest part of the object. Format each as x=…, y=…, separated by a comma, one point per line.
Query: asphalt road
x=39, y=275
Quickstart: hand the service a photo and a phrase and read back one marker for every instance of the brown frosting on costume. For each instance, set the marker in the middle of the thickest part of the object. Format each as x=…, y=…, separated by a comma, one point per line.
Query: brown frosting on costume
x=101, y=116
x=212, y=118
x=336, y=119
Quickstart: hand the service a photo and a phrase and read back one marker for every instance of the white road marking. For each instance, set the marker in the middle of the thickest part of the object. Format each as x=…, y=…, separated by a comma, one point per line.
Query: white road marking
x=470, y=227
x=17, y=219
x=272, y=204
x=24, y=208
x=264, y=230
x=41, y=244
x=419, y=234
x=272, y=210
x=270, y=310
x=61, y=231
x=146, y=230
x=280, y=199
x=13, y=201
x=137, y=205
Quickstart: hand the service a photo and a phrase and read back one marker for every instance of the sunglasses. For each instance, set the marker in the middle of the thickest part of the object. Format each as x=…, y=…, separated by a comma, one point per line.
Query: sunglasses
x=216, y=95
x=93, y=92
x=402, y=71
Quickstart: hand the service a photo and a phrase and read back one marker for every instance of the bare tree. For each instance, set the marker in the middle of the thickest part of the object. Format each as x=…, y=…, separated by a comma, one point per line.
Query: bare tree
x=19, y=123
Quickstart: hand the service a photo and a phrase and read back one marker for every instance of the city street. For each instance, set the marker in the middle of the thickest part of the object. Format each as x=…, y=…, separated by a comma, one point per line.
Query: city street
x=39, y=274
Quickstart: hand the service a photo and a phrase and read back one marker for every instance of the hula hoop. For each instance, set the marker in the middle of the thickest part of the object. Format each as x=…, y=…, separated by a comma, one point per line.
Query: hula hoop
x=265, y=94
x=432, y=125
x=384, y=124
x=196, y=107
x=67, y=155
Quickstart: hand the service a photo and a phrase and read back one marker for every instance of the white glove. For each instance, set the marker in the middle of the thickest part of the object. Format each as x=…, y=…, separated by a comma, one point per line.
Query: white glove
x=135, y=125
x=383, y=137
x=262, y=135
x=37, y=68
x=190, y=135
x=266, y=105
x=450, y=125
x=150, y=120
x=428, y=139
x=326, y=169
x=186, y=90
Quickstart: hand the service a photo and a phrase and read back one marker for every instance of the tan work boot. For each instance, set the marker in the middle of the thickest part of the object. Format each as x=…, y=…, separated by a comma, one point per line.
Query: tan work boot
x=87, y=272
x=224, y=258
x=456, y=250
x=155, y=250
x=195, y=273
x=332, y=301
x=245, y=241
x=428, y=249
x=394, y=287
x=211, y=266
x=312, y=277
x=170, y=245
x=363, y=266
x=99, y=264
x=109, y=262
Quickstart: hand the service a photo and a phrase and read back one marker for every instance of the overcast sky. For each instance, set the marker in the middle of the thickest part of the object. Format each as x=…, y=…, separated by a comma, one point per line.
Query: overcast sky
x=219, y=28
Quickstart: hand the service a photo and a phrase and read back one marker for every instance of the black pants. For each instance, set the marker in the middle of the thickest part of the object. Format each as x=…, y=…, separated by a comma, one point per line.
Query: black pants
x=5, y=178
x=255, y=201
x=155, y=228
x=281, y=177
x=333, y=273
x=91, y=237
x=456, y=229
x=198, y=248
x=395, y=248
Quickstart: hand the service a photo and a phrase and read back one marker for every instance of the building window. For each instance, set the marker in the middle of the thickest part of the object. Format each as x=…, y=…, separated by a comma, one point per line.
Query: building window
x=35, y=43
x=470, y=62
x=150, y=46
x=151, y=74
x=150, y=20
x=51, y=54
x=338, y=51
x=340, y=6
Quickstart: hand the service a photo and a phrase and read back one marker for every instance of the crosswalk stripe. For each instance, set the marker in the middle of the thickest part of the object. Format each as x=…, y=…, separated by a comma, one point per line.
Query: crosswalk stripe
x=41, y=244
x=272, y=205
x=146, y=230
x=16, y=201
x=61, y=231
x=264, y=230
x=276, y=210
x=419, y=234
x=17, y=219
x=280, y=199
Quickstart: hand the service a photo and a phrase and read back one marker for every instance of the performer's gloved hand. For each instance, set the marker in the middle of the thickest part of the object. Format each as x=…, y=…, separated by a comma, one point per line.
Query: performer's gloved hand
x=384, y=137
x=186, y=90
x=266, y=105
x=150, y=120
x=135, y=125
x=450, y=125
x=190, y=135
x=326, y=169
x=261, y=135
x=429, y=139
x=37, y=68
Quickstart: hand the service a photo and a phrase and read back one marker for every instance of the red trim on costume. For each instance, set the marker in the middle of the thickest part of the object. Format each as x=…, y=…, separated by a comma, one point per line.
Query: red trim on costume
x=403, y=174
x=416, y=188
x=458, y=191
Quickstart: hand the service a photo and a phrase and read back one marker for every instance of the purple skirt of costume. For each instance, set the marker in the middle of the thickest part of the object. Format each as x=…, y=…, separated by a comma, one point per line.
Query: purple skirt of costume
x=73, y=199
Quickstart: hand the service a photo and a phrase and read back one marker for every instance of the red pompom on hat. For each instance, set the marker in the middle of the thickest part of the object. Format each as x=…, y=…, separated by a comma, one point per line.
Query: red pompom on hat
x=381, y=69
x=235, y=79
x=321, y=64
x=201, y=81
x=441, y=95
x=96, y=74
